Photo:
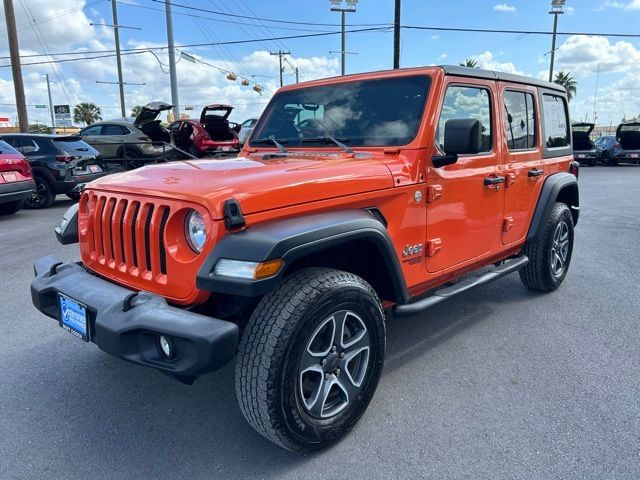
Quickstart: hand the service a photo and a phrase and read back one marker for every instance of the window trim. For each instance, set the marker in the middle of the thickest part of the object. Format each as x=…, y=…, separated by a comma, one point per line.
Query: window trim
x=535, y=116
x=554, y=152
x=491, y=118
x=122, y=127
x=83, y=131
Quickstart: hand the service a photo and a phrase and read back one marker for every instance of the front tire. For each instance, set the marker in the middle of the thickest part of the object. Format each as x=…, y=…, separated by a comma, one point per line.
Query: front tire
x=310, y=358
x=550, y=256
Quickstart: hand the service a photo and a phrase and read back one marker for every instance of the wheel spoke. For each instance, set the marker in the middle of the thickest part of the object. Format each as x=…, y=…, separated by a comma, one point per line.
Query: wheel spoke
x=346, y=383
x=318, y=381
x=310, y=360
x=322, y=338
x=360, y=355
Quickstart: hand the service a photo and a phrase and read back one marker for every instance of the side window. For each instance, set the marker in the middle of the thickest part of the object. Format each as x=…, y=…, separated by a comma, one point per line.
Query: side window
x=467, y=102
x=519, y=120
x=29, y=146
x=556, y=121
x=94, y=130
x=113, y=130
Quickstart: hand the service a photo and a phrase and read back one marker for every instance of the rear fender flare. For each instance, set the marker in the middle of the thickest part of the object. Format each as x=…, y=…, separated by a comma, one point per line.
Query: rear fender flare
x=559, y=186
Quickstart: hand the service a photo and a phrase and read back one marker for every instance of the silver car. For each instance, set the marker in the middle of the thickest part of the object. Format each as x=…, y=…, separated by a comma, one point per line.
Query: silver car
x=132, y=141
x=246, y=128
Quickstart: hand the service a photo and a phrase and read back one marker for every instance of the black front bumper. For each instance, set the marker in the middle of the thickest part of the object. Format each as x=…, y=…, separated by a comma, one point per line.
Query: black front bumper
x=128, y=324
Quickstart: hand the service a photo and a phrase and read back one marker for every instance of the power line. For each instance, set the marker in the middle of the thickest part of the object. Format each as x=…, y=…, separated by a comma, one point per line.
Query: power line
x=522, y=32
x=291, y=22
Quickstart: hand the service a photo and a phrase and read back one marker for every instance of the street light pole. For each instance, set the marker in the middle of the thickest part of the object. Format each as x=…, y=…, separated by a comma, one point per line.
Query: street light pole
x=16, y=70
x=336, y=6
x=396, y=36
x=53, y=123
x=556, y=9
x=172, y=61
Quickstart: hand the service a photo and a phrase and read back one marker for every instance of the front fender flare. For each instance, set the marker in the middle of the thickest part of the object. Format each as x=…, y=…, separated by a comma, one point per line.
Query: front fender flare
x=293, y=238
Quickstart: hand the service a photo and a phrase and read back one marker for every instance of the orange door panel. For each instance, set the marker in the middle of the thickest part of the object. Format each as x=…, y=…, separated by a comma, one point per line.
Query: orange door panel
x=524, y=167
x=464, y=214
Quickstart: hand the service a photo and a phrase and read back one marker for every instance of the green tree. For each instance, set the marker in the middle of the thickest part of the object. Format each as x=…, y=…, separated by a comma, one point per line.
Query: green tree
x=566, y=80
x=469, y=62
x=135, y=111
x=86, y=113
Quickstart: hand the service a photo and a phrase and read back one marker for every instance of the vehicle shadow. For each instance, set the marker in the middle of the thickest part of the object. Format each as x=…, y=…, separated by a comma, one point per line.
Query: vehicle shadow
x=100, y=416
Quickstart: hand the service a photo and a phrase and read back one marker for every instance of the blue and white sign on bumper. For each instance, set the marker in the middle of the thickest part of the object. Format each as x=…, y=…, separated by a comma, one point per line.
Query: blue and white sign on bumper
x=73, y=317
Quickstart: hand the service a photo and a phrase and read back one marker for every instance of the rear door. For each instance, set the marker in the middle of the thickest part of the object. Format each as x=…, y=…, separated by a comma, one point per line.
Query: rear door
x=112, y=137
x=464, y=200
x=91, y=135
x=523, y=164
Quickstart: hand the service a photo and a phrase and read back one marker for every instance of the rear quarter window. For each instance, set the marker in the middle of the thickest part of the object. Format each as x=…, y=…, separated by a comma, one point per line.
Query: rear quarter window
x=556, y=121
x=6, y=148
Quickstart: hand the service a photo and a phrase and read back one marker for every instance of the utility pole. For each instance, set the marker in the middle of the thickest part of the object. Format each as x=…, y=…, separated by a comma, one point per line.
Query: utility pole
x=396, y=36
x=280, y=54
x=297, y=75
x=16, y=70
x=116, y=35
x=336, y=6
x=556, y=9
x=172, y=61
x=53, y=123
x=595, y=97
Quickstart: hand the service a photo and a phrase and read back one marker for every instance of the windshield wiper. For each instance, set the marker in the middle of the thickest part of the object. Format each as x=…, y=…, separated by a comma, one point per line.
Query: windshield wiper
x=273, y=140
x=328, y=138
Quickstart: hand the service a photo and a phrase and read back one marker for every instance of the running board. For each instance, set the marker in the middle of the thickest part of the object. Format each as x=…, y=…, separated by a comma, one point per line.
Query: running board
x=509, y=266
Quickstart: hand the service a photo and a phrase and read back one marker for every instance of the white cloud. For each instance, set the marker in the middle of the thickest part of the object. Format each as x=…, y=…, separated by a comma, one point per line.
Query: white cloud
x=629, y=5
x=488, y=61
x=503, y=7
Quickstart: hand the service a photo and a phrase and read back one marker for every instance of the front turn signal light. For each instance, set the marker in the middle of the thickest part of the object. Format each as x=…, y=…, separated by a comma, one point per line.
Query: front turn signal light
x=267, y=269
x=248, y=270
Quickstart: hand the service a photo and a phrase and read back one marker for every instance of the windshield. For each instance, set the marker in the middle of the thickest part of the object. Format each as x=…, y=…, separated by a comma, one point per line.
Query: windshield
x=382, y=112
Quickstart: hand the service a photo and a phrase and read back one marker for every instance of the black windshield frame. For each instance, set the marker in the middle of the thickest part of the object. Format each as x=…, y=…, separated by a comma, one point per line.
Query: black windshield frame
x=350, y=111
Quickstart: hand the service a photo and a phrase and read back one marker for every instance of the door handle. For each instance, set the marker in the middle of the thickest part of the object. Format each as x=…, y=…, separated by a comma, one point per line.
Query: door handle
x=489, y=181
x=535, y=172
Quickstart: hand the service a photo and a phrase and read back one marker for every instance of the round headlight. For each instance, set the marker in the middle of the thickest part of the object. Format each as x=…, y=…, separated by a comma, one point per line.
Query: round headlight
x=196, y=231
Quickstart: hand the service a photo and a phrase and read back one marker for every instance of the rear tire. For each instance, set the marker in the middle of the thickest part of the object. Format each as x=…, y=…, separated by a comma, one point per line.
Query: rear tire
x=10, y=208
x=550, y=256
x=293, y=386
x=43, y=197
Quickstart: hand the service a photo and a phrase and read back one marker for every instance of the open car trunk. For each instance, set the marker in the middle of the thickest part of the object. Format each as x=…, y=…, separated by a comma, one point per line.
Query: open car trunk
x=147, y=121
x=580, y=133
x=214, y=120
x=628, y=134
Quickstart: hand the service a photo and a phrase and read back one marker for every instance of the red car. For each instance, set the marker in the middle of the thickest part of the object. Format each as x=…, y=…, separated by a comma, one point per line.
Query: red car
x=16, y=179
x=212, y=134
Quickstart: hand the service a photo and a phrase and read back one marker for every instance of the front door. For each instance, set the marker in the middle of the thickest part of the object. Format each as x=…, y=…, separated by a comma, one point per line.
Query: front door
x=524, y=168
x=464, y=209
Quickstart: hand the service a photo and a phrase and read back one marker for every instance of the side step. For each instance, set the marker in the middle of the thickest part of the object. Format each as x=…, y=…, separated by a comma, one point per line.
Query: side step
x=509, y=266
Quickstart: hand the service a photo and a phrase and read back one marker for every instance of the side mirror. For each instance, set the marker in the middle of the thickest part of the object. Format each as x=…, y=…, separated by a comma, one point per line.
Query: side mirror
x=462, y=136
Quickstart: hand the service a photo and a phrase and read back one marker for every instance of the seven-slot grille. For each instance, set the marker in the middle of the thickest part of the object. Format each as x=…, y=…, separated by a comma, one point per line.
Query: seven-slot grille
x=128, y=234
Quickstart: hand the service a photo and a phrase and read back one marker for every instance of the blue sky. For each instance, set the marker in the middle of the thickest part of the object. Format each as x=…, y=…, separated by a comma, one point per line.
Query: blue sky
x=64, y=26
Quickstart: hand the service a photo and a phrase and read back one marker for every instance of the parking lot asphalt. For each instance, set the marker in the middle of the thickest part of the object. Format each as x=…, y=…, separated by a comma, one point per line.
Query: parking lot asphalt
x=498, y=383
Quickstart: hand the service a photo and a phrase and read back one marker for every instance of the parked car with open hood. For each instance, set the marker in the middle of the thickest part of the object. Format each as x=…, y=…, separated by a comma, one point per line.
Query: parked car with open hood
x=212, y=134
x=132, y=142
x=584, y=150
x=628, y=134
x=609, y=150
x=16, y=179
x=60, y=164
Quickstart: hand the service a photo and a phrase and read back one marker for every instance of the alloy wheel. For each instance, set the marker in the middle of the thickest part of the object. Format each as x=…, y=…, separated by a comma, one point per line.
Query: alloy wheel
x=559, y=249
x=334, y=364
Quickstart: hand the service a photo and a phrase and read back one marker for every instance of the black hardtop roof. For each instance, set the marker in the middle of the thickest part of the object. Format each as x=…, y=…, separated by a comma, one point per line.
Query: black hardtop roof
x=502, y=76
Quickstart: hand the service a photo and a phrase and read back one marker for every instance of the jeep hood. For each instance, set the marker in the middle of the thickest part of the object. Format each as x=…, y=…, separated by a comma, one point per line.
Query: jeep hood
x=258, y=184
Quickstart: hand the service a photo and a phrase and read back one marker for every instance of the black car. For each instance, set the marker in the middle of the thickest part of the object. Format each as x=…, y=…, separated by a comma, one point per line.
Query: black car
x=628, y=134
x=584, y=150
x=609, y=150
x=60, y=164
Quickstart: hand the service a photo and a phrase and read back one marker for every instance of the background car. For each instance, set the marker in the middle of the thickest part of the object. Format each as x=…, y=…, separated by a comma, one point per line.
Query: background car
x=246, y=128
x=212, y=134
x=132, y=142
x=609, y=150
x=584, y=150
x=16, y=179
x=628, y=134
x=60, y=164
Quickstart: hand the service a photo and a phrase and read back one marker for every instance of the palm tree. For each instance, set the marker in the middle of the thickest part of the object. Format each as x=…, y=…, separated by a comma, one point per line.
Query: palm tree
x=135, y=111
x=86, y=113
x=566, y=80
x=469, y=62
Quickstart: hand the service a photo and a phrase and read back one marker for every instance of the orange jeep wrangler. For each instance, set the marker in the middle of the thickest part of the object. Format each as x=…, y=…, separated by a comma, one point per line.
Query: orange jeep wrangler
x=355, y=197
